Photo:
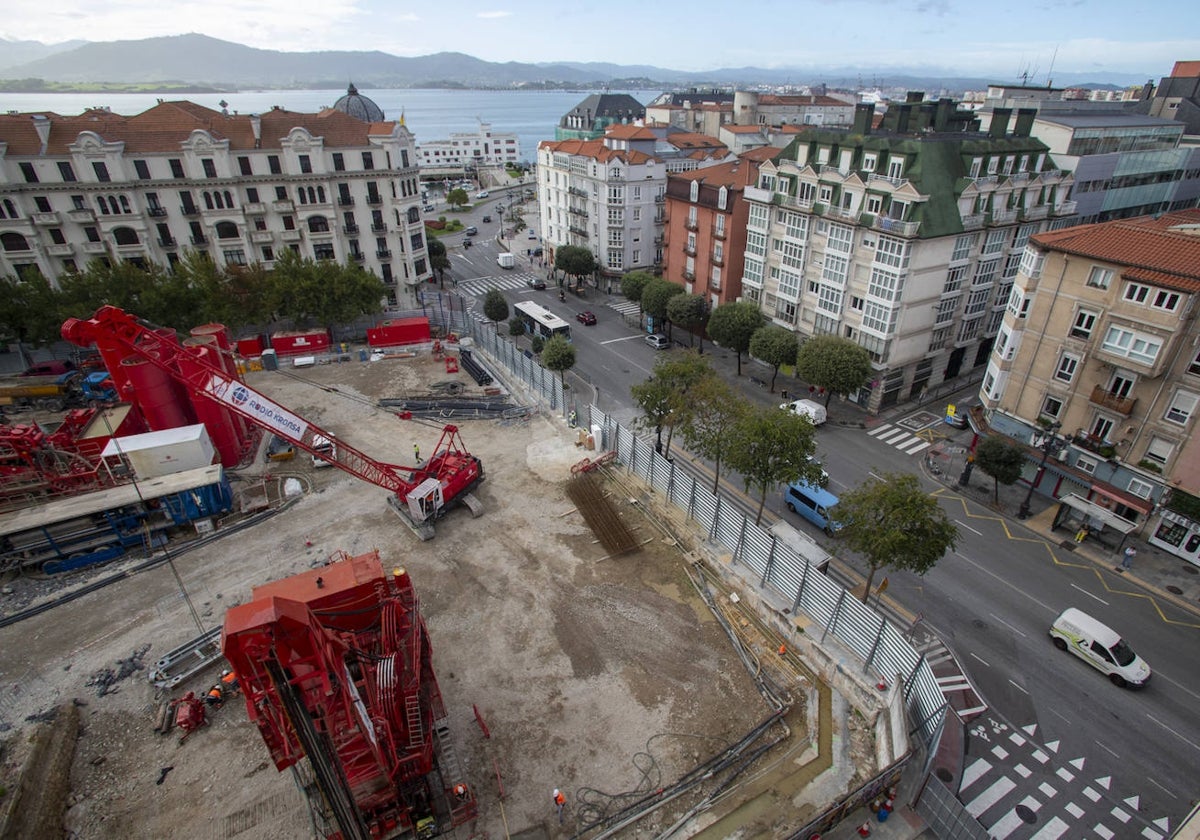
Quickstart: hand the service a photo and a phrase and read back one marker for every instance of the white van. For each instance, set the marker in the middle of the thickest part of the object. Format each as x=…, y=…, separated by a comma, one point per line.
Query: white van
x=1100, y=647
x=814, y=411
x=326, y=447
x=506, y=260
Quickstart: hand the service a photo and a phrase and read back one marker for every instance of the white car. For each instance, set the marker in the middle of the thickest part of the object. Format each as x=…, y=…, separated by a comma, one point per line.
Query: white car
x=482, y=194
x=814, y=411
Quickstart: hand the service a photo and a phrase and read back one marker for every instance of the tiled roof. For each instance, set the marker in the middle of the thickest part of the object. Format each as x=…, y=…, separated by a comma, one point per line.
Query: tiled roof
x=630, y=132
x=1147, y=247
x=165, y=126
x=691, y=140
x=595, y=149
x=795, y=99
x=743, y=129
x=761, y=153
x=731, y=174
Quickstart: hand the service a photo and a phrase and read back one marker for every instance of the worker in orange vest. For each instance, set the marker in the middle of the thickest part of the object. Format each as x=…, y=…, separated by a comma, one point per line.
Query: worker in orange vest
x=460, y=791
x=560, y=802
x=213, y=698
x=229, y=680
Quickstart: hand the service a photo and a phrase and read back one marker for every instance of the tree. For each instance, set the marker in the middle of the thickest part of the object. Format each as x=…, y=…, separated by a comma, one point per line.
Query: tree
x=457, y=198
x=774, y=345
x=31, y=310
x=633, y=284
x=714, y=409
x=834, y=363
x=772, y=447
x=495, y=307
x=689, y=312
x=438, y=259
x=558, y=354
x=575, y=261
x=892, y=522
x=307, y=290
x=663, y=397
x=656, y=295
x=516, y=326
x=731, y=325
x=1000, y=458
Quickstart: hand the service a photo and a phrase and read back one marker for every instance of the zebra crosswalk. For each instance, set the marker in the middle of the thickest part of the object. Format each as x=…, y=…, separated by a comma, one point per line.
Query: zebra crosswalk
x=908, y=442
x=1022, y=790
x=479, y=286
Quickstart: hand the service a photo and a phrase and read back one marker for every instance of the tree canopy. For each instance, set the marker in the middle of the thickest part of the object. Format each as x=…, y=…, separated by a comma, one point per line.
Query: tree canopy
x=713, y=409
x=634, y=283
x=457, y=198
x=558, y=355
x=770, y=447
x=1000, y=458
x=656, y=295
x=495, y=307
x=689, y=312
x=575, y=261
x=894, y=523
x=439, y=260
x=775, y=346
x=834, y=363
x=664, y=396
x=732, y=325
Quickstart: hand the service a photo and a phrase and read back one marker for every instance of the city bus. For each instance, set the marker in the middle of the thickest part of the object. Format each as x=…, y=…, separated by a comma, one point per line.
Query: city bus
x=539, y=320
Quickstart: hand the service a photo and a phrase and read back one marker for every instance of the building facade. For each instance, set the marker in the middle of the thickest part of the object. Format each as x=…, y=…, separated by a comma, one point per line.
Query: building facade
x=705, y=227
x=589, y=119
x=179, y=176
x=607, y=195
x=1100, y=337
x=905, y=238
x=467, y=151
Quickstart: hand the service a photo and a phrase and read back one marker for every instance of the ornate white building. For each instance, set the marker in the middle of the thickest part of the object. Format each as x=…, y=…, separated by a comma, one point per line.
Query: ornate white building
x=468, y=150
x=178, y=176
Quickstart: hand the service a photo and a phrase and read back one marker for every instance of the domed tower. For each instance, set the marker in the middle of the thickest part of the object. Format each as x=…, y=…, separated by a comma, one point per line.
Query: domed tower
x=358, y=106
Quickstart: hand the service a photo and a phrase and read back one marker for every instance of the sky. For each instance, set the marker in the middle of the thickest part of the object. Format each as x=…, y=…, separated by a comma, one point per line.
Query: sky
x=1040, y=38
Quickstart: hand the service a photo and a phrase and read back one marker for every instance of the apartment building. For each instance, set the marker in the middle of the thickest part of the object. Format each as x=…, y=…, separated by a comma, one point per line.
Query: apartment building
x=467, y=151
x=589, y=119
x=905, y=237
x=1100, y=337
x=178, y=176
x=705, y=227
x=607, y=195
x=709, y=112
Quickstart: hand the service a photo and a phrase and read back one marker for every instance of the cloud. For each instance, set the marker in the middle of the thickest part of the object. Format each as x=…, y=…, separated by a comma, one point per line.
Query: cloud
x=490, y=15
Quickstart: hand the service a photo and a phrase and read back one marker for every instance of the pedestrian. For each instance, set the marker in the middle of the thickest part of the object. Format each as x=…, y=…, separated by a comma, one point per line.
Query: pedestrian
x=560, y=802
x=784, y=391
x=1127, y=560
x=1082, y=534
x=417, y=453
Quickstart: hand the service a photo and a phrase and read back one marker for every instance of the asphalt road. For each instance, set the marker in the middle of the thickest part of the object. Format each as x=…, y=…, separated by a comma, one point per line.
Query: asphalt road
x=1089, y=751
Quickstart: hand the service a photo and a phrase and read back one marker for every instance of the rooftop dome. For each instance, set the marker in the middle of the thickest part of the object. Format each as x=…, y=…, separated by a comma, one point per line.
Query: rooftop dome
x=359, y=106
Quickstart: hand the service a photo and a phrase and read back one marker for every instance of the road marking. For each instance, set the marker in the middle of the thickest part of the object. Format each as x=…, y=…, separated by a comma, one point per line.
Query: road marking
x=877, y=477
x=1160, y=787
x=1089, y=594
x=974, y=772
x=1007, y=583
x=1100, y=744
x=1061, y=715
x=618, y=340
x=962, y=524
x=1009, y=626
x=984, y=661
x=1052, y=830
x=1018, y=688
x=1173, y=732
x=1158, y=675
x=994, y=793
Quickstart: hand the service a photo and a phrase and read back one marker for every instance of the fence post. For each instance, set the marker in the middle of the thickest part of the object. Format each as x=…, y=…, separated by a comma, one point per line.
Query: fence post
x=909, y=682
x=837, y=609
x=712, y=531
x=691, y=508
x=800, y=589
x=741, y=540
x=671, y=481
x=770, y=561
x=874, y=645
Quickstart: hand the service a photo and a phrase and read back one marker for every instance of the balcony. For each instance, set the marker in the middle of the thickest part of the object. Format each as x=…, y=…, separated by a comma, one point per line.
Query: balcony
x=1103, y=398
x=156, y=212
x=383, y=254
x=973, y=222
x=292, y=235
x=691, y=224
x=1041, y=211
x=374, y=199
x=899, y=228
x=189, y=210
x=689, y=276
x=261, y=237
x=658, y=240
x=718, y=233
x=93, y=247
x=82, y=214
x=578, y=211
x=284, y=205
x=357, y=256
x=842, y=213
x=45, y=218
x=254, y=208
x=578, y=231
x=1004, y=217
x=131, y=248
x=200, y=240
x=1067, y=208
x=690, y=250
x=660, y=199
x=345, y=201
x=797, y=203
x=379, y=228
x=1094, y=443
x=757, y=194
x=350, y=229
x=718, y=259
x=577, y=191
x=63, y=250
x=167, y=242
x=876, y=179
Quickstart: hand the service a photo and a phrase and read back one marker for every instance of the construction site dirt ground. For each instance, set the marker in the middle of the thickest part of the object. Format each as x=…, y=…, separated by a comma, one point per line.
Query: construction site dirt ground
x=593, y=674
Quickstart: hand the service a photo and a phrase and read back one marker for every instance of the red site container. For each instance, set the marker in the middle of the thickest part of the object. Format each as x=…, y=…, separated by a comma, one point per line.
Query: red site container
x=398, y=332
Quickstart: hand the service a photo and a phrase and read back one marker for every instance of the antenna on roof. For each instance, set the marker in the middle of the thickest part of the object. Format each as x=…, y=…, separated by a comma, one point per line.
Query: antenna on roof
x=1049, y=78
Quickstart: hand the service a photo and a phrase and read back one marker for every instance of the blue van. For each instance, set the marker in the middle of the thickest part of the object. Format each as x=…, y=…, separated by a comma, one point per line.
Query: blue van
x=815, y=504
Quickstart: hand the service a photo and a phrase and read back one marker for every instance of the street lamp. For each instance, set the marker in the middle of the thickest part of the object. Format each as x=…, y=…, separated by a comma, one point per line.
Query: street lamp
x=1048, y=444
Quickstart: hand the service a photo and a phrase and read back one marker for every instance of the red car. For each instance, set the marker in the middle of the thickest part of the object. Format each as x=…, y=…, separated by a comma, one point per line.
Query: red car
x=586, y=318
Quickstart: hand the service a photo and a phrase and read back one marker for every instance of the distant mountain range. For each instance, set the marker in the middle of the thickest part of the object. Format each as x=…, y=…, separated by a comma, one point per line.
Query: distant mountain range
x=201, y=60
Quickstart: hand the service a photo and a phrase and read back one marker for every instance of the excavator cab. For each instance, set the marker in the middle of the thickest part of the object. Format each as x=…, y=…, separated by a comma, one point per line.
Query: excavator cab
x=425, y=500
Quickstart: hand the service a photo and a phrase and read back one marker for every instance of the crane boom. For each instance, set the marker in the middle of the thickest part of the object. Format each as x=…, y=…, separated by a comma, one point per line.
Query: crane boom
x=420, y=494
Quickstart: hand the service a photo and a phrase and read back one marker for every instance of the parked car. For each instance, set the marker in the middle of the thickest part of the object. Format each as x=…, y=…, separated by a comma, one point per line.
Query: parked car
x=536, y=283
x=586, y=318
x=537, y=252
x=658, y=341
x=814, y=411
x=532, y=233
x=54, y=367
x=482, y=194
x=487, y=218
x=428, y=208
x=472, y=230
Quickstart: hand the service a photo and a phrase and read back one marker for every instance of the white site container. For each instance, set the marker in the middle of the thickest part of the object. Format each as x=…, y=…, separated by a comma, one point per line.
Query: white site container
x=161, y=453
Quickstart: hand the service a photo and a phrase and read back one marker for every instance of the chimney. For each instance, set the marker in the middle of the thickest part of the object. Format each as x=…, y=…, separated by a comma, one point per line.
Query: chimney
x=914, y=96
x=1024, y=124
x=941, y=118
x=256, y=127
x=42, y=124
x=864, y=113
x=903, y=112
x=999, y=124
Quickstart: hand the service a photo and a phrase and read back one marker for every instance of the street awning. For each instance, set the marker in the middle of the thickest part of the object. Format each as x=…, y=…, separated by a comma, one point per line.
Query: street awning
x=1145, y=506
x=1096, y=513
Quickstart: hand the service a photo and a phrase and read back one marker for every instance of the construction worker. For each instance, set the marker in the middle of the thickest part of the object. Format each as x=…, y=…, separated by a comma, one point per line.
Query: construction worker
x=213, y=698
x=229, y=681
x=560, y=802
x=417, y=452
x=460, y=792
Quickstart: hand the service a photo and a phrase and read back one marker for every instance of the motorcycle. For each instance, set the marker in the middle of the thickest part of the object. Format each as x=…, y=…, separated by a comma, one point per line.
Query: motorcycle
x=562, y=295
